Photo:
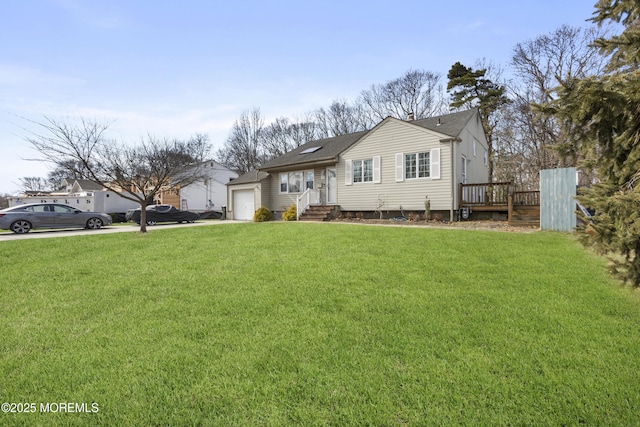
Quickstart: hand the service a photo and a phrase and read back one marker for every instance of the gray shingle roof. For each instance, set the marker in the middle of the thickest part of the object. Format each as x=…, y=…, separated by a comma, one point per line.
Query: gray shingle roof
x=251, y=176
x=448, y=124
x=330, y=149
x=87, y=185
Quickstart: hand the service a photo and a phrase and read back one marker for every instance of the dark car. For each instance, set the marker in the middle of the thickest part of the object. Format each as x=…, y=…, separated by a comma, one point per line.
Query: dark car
x=162, y=213
x=22, y=218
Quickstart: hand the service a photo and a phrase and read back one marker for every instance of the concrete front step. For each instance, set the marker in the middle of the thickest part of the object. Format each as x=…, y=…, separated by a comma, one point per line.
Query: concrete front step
x=317, y=213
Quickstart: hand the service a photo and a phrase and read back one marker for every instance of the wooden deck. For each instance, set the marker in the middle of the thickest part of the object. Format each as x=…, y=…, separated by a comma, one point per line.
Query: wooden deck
x=522, y=207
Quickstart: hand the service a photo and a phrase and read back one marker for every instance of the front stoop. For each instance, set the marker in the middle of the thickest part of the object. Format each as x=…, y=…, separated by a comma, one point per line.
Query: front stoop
x=318, y=213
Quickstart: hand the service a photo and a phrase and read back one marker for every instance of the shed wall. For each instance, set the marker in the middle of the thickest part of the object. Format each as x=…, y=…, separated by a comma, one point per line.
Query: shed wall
x=558, y=199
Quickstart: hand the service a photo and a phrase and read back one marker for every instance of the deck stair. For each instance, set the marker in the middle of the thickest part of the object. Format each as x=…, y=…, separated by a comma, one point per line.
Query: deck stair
x=525, y=216
x=317, y=213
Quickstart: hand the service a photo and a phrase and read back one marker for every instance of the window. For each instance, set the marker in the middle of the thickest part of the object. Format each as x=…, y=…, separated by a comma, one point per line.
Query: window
x=357, y=170
x=360, y=171
x=424, y=169
x=409, y=166
x=363, y=170
x=417, y=165
x=308, y=182
x=292, y=182
x=474, y=147
x=464, y=170
x=310, y=150
x=62, y=209
x=295, y=182
x=486, y=158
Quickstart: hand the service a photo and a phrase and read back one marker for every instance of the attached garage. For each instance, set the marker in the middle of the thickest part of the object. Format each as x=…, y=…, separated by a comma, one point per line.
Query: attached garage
x=245, y=195
x=243, y=205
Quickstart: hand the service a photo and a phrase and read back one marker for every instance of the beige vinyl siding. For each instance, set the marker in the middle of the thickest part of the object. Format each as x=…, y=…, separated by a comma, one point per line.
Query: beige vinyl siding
x=391, y=138
x=267, y=192
x=477, y=171
x=279, y=201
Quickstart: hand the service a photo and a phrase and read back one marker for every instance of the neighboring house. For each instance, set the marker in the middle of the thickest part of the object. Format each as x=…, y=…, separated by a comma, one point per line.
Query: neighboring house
x=390, y=168
x=209, y=193
x=83, y=194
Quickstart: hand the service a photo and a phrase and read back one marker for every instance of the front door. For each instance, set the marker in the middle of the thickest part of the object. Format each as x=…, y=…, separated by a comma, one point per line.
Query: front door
x=332, y=188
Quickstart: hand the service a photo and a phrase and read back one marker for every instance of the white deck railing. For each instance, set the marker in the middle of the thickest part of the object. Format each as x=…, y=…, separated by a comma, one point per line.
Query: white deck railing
x=306, y=199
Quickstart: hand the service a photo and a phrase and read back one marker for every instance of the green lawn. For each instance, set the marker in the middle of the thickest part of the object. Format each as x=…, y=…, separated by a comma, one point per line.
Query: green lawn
x=317, y=324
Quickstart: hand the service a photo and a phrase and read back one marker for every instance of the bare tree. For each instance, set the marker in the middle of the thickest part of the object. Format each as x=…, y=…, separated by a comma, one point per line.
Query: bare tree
x=541, y=65
x=303, y=131
x=417, y=92
x=277, y=138
x=243, y=149
x=62, y=172
x=136, y=173
x=33, y=183
x=340, y=118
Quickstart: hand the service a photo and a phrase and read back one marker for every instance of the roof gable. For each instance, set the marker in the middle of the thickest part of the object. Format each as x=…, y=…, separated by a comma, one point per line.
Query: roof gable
x=249, y=177
x=330, y=148
x=449, y=124
x=86, y=185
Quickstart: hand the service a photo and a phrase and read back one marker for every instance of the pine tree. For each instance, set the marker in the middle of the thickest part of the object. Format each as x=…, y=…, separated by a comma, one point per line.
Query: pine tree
x=604, y=114
x=473, y=89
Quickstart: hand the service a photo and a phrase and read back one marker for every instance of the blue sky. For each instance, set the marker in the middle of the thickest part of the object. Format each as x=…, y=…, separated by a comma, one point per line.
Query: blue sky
x=176, y=68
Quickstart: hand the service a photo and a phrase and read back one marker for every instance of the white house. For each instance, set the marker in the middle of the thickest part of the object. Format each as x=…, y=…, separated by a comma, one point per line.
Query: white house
x=83, y=194
x=210, y=192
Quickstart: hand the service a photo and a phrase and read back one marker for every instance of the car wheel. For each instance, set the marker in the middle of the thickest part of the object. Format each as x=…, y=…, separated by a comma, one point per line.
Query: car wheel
x=21, y=226
x=94, y=223
x=151, y=222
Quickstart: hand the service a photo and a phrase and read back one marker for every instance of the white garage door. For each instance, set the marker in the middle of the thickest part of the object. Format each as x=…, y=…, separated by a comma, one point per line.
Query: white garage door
x=243, y=207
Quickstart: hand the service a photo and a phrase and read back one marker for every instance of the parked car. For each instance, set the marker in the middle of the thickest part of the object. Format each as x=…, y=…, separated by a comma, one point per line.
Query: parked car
x=22, y=218
x=162, y=213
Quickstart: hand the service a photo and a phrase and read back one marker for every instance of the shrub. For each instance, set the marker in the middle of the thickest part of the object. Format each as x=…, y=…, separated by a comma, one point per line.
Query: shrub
x=262, y=214
x=427, y=208
x=290, y=214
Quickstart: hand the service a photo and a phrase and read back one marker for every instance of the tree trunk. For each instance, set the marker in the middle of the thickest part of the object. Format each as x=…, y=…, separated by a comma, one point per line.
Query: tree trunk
x=143, y=217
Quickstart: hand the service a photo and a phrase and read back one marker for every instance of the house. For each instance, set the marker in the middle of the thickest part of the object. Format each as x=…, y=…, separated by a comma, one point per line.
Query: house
x=80, y=186
x=82, y=194
x=389, y=169
x=208, y=193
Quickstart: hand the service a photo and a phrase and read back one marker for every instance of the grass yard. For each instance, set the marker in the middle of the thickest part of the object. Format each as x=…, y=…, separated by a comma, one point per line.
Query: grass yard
x=316, y=324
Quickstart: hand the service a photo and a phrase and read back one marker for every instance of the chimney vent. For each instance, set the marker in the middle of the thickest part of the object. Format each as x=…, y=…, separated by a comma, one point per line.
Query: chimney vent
x=410, y=117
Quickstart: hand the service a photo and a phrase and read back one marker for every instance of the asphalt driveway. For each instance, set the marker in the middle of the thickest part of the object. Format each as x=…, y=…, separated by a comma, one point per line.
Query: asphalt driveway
x=45, y=233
